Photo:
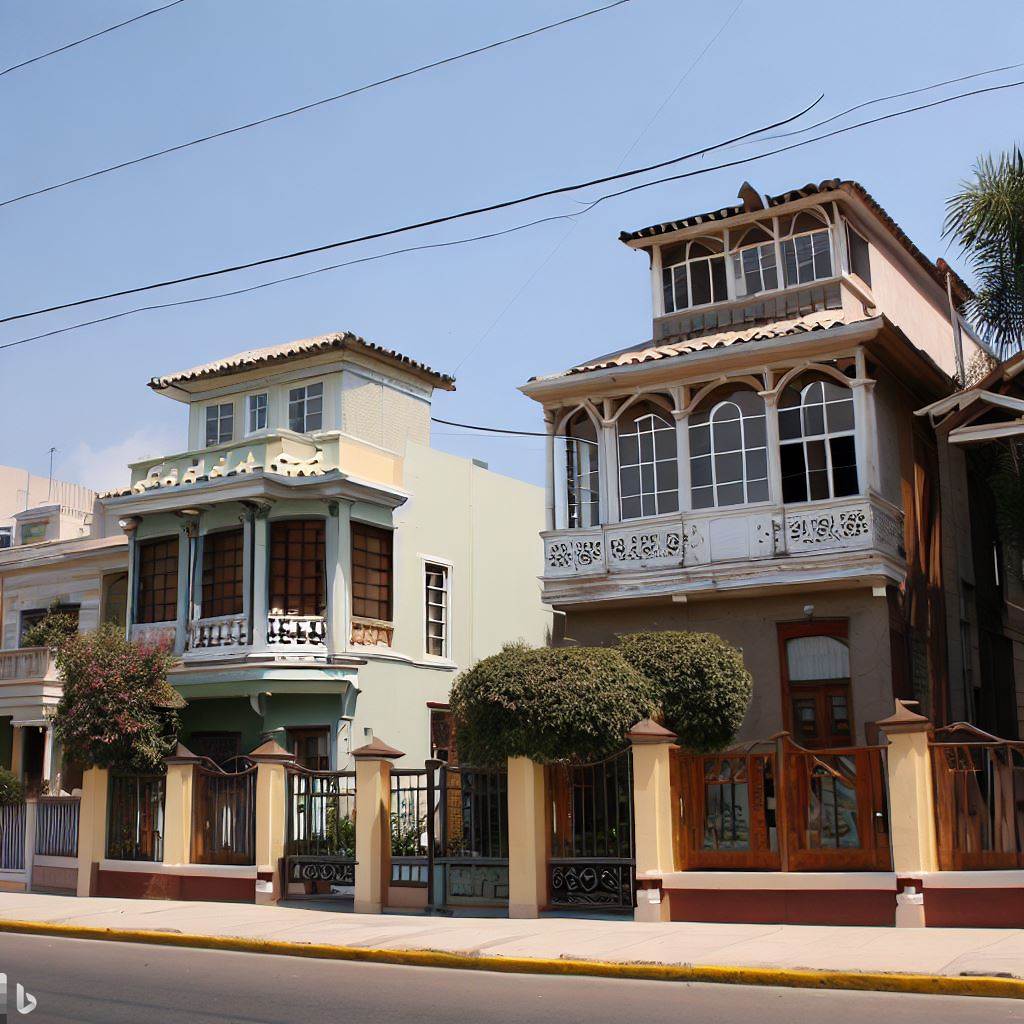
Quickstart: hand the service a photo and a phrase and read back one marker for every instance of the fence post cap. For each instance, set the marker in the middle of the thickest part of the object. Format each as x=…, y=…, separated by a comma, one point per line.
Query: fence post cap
x=904, y=720
x=377, y=750
x=271, y=751
x=649, y=731
x=182, y=755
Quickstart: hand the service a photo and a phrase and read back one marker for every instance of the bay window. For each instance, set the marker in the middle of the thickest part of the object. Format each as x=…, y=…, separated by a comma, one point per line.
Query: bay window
x=157, y=587
x=753, y=263
x=693, y=274
x=728, y=450
x=806, y=248
x=648, y=471
x=222, y=573
x=818, y=451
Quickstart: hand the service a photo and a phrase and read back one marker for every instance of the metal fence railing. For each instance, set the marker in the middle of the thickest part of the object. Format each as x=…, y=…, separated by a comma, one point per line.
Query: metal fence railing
x=410, y=808
x=57, y=826
x=135, y=817
x=223, y=815
x=12, y=837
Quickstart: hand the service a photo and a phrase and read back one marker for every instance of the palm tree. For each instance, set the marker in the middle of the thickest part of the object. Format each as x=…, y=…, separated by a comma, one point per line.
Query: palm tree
x=986, y=219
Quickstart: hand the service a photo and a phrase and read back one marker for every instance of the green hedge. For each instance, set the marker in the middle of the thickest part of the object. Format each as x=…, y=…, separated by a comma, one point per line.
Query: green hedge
x=548, y=704
x=699, y=680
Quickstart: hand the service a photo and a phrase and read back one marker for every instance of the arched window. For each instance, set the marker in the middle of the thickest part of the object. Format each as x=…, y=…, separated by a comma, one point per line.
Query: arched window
x=693, y=274
x=807, y=251
x=728, y=457
x=754, y=266
x=582, y=472
x=818, y=451
x=648, y=471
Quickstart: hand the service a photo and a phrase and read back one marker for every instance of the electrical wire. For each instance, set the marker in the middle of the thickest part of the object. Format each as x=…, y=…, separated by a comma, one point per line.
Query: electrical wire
x=431, y=222
x=518, y=227
x=85, y=39
x=308, y=106
x=512, y=433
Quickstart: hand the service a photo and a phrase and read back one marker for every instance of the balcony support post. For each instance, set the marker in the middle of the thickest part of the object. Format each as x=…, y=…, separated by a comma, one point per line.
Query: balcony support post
x=132, y=585
x=339, y=563
x=771, y=422
x=865, y=432
x=260, y=563
x=549, y=471
x=609, y=466
x=682, y=418
x=186, y=542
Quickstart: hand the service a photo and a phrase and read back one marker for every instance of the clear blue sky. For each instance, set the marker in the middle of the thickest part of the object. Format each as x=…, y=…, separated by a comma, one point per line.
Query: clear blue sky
x=560, y=107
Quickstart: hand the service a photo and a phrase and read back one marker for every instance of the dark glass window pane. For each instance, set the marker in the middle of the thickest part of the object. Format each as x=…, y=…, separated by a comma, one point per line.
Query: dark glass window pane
x=728, y=468
x=721, y=291
x=789, y=263
x=668, y=501
x=666, y=286
x=843, y=451
x=816, y=458
x=222, y=574
x=371, y=571
x=822, y=254
x=840, y=415
x=757, y=490
x=789, y=424
x=703, y=497
x=860, y=258
x=647, y=478
x=700, y=282
x=814, y=420
x=668, y=476
x=757, y=464
x=794, y=480
x=629, y=481
x=730, y=494
x=700, y=471
x=700, y=440
x=630, y=508
x=646, y=447
x=754, y=431
x=629, y=450
x=665, y=444
x=648, y=504
x=819, y=484
x=727, y=435
x=682, y=297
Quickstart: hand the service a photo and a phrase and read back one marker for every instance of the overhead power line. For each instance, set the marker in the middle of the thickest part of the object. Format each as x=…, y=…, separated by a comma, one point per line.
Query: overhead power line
x=519, y=227
x=431, y=222
x=309, y=106
x=85, y=39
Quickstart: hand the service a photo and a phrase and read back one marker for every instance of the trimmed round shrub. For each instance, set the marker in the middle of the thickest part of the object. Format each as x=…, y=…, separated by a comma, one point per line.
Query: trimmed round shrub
x=698, y=678
x=547, y=703
x=11, y=789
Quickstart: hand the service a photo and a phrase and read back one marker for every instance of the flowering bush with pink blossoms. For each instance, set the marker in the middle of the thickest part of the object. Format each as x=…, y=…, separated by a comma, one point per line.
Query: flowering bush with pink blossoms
x=117, y=710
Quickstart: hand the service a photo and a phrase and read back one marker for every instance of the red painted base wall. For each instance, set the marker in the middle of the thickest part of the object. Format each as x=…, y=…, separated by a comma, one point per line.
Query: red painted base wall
x=144, y=885
x=775, y=906
x=974, y=908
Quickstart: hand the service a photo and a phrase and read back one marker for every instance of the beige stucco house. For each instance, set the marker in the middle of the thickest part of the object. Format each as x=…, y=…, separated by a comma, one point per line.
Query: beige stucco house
x=756, y=468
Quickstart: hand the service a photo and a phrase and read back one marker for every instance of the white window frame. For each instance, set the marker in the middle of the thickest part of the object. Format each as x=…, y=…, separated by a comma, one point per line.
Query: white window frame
x=742, y=451
x=217, y=408
x=305, y=399
x=739, y=274
x=251, y=407
x=428, y=562
x=635, y=431
x=827, y=229
x=825, y=436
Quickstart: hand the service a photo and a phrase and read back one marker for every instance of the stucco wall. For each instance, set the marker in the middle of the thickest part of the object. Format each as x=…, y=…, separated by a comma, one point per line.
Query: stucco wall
x=750, y=624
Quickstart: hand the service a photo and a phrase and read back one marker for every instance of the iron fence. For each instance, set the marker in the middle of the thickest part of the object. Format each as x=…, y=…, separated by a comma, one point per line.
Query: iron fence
x=223, y=815
x=410, y=809
x=321, y=840
x=135, y=817
x=57, y=826
x=12, y=837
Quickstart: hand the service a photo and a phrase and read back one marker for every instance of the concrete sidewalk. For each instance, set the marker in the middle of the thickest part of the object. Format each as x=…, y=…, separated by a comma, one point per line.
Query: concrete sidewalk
x=945, y=953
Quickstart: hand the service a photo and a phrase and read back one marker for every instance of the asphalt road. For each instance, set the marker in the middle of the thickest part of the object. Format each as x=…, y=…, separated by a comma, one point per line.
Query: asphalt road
x=116, y=983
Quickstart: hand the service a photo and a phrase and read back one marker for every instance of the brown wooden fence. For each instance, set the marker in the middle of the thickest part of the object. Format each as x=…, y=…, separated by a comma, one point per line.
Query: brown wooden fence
x=979, y=800
x=776, y=806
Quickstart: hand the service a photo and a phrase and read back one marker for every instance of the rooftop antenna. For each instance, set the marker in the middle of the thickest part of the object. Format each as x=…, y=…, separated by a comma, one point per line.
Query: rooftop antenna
x=49, y=487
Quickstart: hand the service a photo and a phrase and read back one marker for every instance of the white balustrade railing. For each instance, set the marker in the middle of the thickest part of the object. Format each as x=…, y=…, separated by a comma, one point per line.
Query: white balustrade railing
x=27, y=663
x=219, y=631
x=723, y=535
x=297, y=630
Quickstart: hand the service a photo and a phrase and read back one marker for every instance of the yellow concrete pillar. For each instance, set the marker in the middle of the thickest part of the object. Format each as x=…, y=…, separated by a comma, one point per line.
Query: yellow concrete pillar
x=528, y=839
x=911, y=798
x=373, y=824
x=178, y=806
x=272, y=762
x=653, y=811
x=92, y=826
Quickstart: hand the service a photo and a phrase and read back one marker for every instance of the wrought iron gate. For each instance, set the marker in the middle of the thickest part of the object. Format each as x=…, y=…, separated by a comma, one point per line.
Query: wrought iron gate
x=469, y=848
x=592, y=863
x=321, y=847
